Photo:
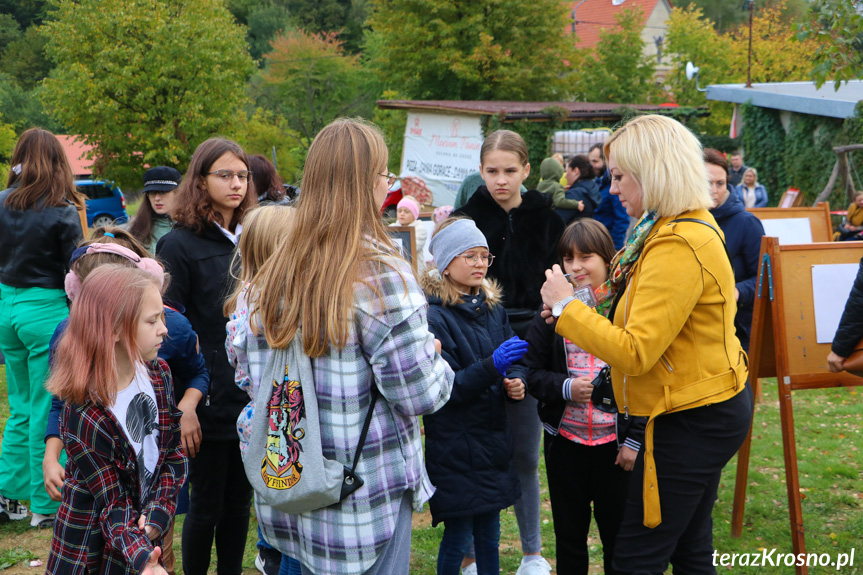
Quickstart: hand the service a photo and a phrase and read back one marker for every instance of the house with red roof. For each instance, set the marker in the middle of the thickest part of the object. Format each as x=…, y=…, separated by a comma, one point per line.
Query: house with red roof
x=76, y=152
x=589, y=17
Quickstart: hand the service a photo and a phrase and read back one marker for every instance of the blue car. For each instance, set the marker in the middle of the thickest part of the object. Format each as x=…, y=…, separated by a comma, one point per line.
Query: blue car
x=105, y=203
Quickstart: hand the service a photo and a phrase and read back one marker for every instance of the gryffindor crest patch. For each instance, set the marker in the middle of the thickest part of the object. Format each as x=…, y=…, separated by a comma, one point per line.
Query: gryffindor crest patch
x=281, y=467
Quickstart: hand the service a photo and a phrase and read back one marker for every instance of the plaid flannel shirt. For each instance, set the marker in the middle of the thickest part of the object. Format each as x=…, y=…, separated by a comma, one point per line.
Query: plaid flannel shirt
x=389, y=346
x=96, y=530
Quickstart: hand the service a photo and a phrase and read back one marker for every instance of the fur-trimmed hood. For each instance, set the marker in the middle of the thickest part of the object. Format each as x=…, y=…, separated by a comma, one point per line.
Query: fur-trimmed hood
x=433, y=284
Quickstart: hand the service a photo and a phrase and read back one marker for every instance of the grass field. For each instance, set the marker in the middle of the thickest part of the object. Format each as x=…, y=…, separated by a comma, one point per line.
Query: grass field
x=828, y=426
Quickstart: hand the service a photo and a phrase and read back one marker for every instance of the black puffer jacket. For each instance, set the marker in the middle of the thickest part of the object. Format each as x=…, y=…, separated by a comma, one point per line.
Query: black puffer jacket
x=36, y=245
x=851, y=325
x=199, y=265
x=469, y=442
x=523, y=241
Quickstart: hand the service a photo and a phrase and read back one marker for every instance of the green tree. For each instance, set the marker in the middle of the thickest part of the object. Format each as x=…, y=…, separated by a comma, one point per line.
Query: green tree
x=727, y=15
x=777, y=54
x=25, y=59
x=312, y=81
x=345, y=17
x=263, y=131
x=25, y=12
x=836, y=26
x=145, y=81
x=692, y=37
x=7, y=143
x=477, y=50
x=9, y=31
x=23, y=108
x=617, y=69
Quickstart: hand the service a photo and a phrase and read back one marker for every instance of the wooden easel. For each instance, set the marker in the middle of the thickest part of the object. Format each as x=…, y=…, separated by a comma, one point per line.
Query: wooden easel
x=783, y=345
x=818, y=216
x=791, y=198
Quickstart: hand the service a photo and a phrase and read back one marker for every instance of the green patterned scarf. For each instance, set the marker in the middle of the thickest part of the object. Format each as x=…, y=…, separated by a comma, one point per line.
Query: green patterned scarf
x=623, y=262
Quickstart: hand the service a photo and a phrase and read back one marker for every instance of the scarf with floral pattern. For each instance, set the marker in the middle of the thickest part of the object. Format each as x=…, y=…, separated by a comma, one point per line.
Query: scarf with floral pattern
x=623, y=262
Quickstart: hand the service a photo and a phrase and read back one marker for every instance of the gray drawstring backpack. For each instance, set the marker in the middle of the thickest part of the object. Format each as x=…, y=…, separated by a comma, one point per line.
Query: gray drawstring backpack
x=284, y=460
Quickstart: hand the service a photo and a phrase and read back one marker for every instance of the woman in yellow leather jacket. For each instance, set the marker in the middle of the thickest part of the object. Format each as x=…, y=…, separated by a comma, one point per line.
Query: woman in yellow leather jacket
x=671, y=342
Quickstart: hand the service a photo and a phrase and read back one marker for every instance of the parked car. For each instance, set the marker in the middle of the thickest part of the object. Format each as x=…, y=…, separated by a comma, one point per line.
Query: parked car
x=105, y=203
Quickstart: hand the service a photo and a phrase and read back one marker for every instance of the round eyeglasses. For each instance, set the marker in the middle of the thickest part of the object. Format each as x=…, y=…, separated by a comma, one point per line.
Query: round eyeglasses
x=473, y=259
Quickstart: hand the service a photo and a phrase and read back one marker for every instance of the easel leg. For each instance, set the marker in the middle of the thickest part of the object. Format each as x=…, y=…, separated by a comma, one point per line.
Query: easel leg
x=741, y=477
x=759, y=398
x=792, y=479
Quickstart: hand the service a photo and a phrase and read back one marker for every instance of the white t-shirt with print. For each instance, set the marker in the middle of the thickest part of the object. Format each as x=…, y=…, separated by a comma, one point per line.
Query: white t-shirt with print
x=137, y=412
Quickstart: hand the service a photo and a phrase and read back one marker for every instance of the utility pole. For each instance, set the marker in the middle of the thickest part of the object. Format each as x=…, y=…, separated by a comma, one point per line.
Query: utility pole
x=751, y=4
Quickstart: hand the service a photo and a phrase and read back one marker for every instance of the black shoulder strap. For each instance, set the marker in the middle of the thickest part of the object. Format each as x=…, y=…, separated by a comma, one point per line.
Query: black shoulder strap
x=368, y=421
x=712, y=227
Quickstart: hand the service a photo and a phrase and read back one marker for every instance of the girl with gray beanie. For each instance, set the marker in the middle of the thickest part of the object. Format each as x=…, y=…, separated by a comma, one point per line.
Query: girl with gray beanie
x=469, y=441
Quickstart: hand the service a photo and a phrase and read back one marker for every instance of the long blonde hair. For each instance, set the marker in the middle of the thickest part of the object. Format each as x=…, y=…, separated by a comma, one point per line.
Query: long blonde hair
x=337, y=231
x=264, y=231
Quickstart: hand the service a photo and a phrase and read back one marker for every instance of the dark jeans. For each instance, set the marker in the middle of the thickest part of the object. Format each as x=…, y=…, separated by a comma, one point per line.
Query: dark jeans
x=579, y=475
x=220, y=505
x=483, y=530
x=690, y=448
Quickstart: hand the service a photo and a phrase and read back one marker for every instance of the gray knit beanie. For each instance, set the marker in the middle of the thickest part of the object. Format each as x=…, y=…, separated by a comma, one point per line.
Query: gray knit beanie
x=458, y=237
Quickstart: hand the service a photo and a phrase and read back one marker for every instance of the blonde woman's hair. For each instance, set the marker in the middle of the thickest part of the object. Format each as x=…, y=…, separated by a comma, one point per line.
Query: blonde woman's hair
x=434, y=283
x=264, y=231
x=666, y=160
x=337, y=233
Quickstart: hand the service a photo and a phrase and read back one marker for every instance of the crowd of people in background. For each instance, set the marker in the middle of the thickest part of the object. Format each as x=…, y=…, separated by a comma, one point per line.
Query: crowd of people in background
x=153, y=378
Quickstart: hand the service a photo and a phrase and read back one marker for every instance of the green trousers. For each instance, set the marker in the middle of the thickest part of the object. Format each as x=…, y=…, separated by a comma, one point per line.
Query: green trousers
x=28, y=317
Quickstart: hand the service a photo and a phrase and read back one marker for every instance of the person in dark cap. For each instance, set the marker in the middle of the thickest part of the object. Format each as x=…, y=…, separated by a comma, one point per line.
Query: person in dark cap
x=154, y=217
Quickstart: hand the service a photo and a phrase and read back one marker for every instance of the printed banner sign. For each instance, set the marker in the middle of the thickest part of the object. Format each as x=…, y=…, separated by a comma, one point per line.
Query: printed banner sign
x=441, y=149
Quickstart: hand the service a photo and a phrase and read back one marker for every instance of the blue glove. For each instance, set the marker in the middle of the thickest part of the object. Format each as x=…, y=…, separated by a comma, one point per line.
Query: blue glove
x=508, y=353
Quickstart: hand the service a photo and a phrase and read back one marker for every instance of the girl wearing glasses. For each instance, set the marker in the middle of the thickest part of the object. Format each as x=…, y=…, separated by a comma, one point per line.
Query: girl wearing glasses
x=469, y=441
x=212, y=200
x=523, y=231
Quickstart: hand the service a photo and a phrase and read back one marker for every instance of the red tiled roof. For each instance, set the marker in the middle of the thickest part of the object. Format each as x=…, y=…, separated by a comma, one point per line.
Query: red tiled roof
x=596, y=15
x=77, y=151
x=519, y=110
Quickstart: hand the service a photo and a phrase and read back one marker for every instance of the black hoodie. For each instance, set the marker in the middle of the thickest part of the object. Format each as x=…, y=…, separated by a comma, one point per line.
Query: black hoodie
x=523, y=241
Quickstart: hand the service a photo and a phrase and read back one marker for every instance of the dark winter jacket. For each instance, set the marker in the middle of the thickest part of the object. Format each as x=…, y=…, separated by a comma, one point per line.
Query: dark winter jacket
x=546, y=361
x=586, y=191
x=469, y=441
x=850, y=329
x=37, y=244
x=199, y=265
x=523, y=241
x=743, y=233
x=610, y=212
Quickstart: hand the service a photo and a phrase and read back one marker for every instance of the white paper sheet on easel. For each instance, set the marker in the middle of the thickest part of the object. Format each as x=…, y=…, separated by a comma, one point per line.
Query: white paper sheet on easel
x=789, y=230
x=831, y=285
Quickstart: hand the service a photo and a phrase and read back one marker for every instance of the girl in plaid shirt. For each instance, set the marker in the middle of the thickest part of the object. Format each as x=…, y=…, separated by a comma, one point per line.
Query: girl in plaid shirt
x=364, y=325
x=120, y=427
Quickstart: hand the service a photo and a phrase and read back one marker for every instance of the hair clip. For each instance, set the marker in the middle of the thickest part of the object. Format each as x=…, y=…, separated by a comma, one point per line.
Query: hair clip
x=17, y=169
x=110, y=235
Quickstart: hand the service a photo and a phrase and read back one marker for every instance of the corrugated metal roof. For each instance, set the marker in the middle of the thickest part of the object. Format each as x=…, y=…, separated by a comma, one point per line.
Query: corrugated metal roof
x=800, y=97
x=76, y=152
x=522, y=110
